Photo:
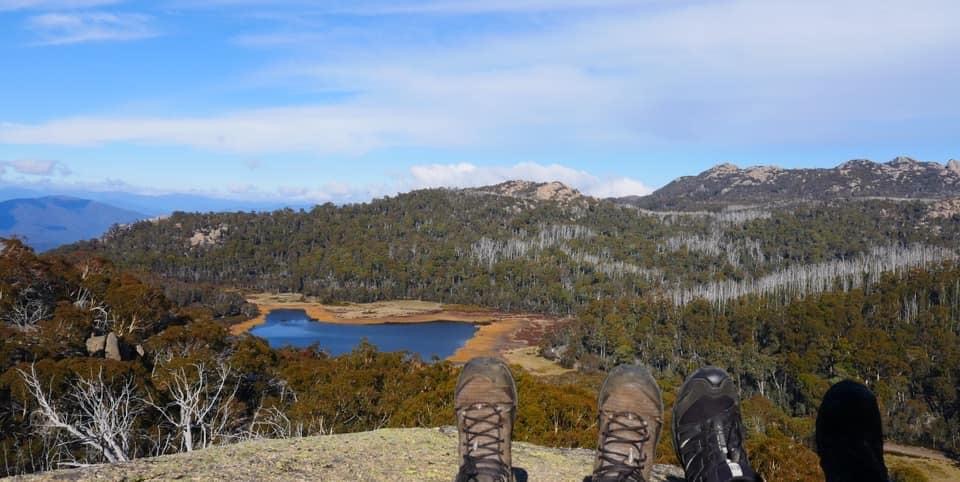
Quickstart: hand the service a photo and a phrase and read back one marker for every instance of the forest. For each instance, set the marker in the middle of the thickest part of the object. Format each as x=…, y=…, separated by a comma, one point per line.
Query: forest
x=118, y=348
x=178, y=382
x=899, y=336
x=515, y=254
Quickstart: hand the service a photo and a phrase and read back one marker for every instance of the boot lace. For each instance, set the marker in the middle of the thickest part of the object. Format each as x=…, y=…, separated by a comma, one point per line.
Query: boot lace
x=483, y=426
x=623, y=428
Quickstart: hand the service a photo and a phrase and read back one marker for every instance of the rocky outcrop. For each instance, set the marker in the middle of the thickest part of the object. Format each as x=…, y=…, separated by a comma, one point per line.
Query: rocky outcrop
x=536, y=191
x=110, y=346
x=947, y=208
x=112, y=349
x=727, y=184
x=954, y=166
x=96, y=345
x=419, y=455
x=208, y=237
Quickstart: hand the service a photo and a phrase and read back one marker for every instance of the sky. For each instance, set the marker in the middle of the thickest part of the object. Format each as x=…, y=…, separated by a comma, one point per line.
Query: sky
x=342, y=101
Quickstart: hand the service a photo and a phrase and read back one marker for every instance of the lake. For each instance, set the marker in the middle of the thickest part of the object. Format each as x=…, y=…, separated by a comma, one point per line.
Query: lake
x=293, y=328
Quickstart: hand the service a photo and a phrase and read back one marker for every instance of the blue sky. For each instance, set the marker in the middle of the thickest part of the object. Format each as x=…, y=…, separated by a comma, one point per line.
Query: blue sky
x=344, y=100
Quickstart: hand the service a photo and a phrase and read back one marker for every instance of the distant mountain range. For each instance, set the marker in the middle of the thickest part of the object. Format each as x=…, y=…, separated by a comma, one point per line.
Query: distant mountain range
x=48, y=222
x=152, y=205
x=726, y=184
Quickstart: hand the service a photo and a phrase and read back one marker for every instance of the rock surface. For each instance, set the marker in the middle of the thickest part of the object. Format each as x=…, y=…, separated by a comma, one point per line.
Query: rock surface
x=96, y=344
x=112, y=348
x=391, y=454
x=726, y=184
x=536, y=191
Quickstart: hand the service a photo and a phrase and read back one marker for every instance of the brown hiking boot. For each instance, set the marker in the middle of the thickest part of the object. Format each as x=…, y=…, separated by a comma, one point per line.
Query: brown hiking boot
x=631, y=416
x=486, y=405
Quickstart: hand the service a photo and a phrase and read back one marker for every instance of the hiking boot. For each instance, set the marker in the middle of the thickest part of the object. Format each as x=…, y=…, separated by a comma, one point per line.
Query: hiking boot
x=486, y=406
x=850, y=435
x=631, y=417
x=707, y=429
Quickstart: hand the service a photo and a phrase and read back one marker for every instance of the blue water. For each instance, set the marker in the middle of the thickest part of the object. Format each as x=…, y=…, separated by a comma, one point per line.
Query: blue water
x=293, y=328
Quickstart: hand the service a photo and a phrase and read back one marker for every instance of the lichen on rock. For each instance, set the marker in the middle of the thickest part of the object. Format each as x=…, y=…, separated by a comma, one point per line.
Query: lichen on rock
x=419, y=455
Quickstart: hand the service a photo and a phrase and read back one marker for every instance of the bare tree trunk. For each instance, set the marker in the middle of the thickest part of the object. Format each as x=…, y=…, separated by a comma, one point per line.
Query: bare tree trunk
x=198, y=402
x=103, y=419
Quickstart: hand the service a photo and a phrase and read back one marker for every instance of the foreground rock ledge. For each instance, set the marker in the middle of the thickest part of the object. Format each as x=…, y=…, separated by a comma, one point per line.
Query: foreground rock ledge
x=384, y=455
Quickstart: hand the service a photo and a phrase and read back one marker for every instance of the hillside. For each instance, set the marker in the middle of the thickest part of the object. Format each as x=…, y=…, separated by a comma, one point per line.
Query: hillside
x=48, y=222
x=392, y=454
x=807, y=295
x=503, y=247
x=150, y=205
x=727, y=184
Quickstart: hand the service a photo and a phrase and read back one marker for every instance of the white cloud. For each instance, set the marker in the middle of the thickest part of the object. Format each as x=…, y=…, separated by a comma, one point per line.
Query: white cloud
x=738, y=72
x=36, y=167
x=470, y=175
x=50, y=176
x=619, y=187
x=72, y=28
x=327, y=192
x=324, y=129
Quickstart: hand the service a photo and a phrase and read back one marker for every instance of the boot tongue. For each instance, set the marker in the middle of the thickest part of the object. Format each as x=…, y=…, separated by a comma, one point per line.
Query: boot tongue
x=484, y=448
x=627, y=426
x=487, y=426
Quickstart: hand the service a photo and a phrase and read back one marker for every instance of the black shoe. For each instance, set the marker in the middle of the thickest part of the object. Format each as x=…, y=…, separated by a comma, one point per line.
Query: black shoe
x=707, y=430
x=850, y=435
x=486, y=405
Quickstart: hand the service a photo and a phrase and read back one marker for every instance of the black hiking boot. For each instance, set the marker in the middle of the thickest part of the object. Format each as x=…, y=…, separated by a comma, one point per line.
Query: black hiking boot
x=486, y=406
x=631, y=417
x=707, y=429
x=850, y=435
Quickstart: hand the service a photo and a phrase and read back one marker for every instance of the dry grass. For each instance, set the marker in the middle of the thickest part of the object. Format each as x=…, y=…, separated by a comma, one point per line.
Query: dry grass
x=530, y=360
x=935, y=470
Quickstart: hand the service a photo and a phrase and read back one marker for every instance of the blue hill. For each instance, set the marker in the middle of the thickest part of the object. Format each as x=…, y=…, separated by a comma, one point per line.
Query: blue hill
x=48, y=222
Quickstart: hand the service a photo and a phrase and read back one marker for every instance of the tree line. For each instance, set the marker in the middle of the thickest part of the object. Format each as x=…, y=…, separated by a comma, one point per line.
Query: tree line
x=512, y=254
x=184, y=383
x=899, y=336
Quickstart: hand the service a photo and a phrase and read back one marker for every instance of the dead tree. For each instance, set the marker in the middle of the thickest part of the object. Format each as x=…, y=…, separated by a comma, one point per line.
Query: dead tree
x=26, y=313
x=93, y=414
x=200, y=404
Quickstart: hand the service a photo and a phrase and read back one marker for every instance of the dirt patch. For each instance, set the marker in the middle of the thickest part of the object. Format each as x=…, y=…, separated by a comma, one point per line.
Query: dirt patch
x=918, y=452
x=531, y=361
x=935, y=466
x=491, y=339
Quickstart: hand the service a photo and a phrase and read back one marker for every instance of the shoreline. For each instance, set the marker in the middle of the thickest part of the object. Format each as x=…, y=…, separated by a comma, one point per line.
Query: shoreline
x=361, y=314
x=498, y=334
